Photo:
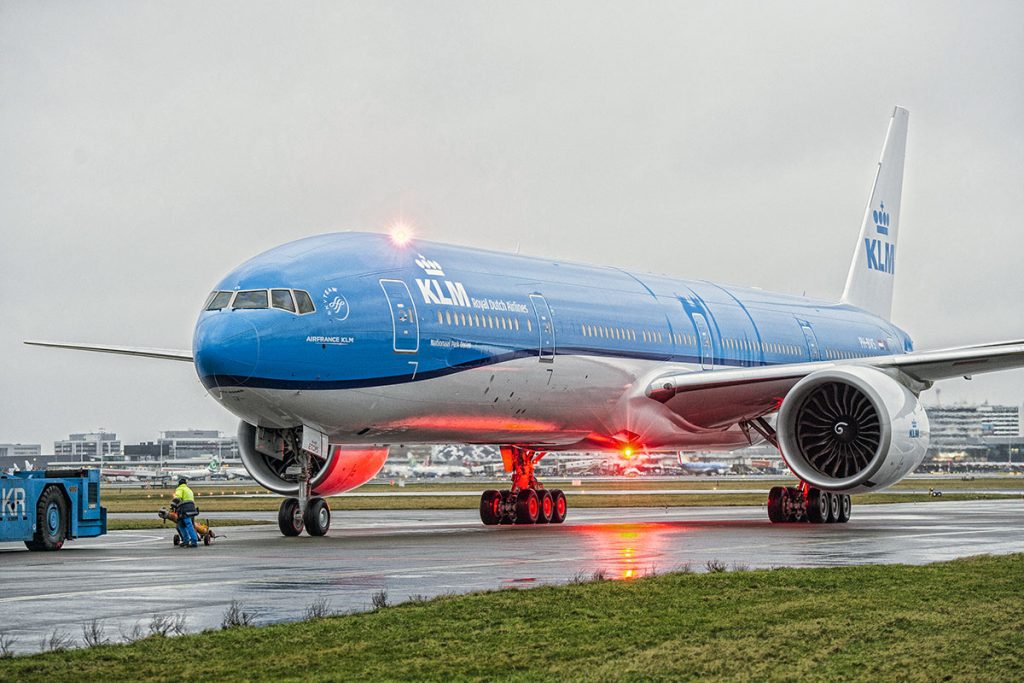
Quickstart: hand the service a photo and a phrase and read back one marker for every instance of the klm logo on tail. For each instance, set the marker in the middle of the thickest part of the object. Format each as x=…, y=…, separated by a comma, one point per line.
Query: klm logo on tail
x=881, y=220
x=881, y=254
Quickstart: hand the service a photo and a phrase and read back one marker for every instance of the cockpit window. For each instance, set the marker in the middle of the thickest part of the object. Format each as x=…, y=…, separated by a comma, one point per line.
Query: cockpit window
x=304, y=302
x=254, y=298
x=218, y=300
x=282, y=298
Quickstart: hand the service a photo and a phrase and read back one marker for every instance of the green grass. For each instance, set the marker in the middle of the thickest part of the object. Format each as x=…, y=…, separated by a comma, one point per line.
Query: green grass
x=958, y=620
x=116, y=524
x=149, y=500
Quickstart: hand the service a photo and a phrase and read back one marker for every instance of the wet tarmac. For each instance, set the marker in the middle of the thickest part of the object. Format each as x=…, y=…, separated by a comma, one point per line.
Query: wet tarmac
x=125, y=579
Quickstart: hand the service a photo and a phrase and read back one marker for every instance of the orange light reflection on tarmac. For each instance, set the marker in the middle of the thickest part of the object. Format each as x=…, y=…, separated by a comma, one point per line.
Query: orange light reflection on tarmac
x=628, y=551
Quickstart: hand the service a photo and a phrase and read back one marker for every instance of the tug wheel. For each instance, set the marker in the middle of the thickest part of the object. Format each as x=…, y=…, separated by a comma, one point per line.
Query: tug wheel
x=51, y=521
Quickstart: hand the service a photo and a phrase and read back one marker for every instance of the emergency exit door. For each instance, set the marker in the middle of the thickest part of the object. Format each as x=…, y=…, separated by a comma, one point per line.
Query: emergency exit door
x=707, y=348
x=545, y=327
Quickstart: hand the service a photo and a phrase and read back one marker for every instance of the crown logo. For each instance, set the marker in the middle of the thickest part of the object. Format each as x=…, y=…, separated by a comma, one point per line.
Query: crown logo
x=881, y=217
x=430, y=267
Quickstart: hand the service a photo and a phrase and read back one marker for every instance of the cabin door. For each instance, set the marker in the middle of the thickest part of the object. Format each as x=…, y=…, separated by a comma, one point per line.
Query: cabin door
x=404, y=322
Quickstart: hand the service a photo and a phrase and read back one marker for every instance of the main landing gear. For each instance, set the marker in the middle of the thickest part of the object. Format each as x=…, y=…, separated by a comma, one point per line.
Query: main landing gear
x=807, y=504
x=527, y=502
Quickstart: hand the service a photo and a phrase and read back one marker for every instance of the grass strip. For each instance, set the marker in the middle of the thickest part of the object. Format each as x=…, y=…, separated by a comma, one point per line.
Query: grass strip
x=957, y=620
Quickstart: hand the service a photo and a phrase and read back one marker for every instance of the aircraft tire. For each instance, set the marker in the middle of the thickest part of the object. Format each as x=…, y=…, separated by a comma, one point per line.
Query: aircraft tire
x=289, y=521
x=834, y=504
x=776, y=509
x=490, y=507
x=317, y=519
x=559, y=506
x=527, y=507
x=546, y=506
x=51, y=521
x=817, y=506
x=845, y=508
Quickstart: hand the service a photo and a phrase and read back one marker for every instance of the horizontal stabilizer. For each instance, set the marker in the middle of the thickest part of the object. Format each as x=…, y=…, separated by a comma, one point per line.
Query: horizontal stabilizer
x=141, y=351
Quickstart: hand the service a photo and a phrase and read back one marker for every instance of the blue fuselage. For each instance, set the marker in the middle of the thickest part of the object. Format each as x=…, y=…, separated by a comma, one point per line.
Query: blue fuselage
x=389, y=315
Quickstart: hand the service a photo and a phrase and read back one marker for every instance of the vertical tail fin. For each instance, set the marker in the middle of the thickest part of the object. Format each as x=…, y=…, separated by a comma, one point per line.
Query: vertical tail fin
x=869, y=283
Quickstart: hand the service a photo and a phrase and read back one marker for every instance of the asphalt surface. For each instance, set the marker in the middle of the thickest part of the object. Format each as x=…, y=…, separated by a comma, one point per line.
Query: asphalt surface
x=126, y=578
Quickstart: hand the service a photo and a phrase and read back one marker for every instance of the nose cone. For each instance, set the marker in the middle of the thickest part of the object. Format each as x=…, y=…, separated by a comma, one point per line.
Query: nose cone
x=226, y=348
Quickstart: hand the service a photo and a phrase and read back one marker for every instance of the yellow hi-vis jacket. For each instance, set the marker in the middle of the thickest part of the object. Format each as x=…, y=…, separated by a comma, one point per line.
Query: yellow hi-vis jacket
x=184, y=493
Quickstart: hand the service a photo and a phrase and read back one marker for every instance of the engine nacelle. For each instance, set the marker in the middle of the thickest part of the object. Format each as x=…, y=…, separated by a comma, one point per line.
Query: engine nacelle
x=852, y=429
x=344, y=468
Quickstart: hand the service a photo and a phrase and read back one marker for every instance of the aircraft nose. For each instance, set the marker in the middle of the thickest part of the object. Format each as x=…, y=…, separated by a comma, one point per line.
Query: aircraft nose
x=226, y=349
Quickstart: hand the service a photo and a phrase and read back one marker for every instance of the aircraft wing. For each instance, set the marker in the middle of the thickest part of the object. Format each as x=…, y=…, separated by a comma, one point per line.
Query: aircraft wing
x=768, y=385
x=140, y=351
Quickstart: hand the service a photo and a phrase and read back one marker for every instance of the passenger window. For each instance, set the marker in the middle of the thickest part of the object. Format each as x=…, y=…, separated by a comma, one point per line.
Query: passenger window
x=254, y=298
x=219, y=300
x=529, y=325
x=304, y=303
x=282, y=298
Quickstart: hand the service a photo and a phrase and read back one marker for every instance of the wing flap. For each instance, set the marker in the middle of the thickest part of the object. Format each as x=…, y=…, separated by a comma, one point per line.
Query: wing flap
x=138, y=351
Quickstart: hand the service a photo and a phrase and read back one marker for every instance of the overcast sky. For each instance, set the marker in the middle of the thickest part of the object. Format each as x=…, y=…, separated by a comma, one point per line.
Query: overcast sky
x=146, y=149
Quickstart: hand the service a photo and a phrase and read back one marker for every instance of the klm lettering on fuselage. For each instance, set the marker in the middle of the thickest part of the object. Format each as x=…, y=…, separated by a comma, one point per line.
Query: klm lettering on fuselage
x=452, y=294
x=880, y=253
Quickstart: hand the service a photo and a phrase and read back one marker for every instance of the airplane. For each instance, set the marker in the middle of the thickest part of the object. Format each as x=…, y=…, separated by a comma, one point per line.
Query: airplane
x=330, y=348
x=693, y=466
x=213, y=468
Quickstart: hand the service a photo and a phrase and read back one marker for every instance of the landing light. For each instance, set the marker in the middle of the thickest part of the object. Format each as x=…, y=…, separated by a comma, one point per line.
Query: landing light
x=401, y=234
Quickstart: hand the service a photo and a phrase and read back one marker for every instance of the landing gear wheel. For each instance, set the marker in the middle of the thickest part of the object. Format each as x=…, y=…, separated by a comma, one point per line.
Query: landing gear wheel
x=776, y=505
x=507, y=502
x=845, y=508
x=817, y=506
x=490, y=507
x=176, y=540
x=289, y=519
x=547, y=506
x=207, y=538
x=317, y=518
x=51, y=521
x=527, y=507
x=559, y=507
x=834, y=503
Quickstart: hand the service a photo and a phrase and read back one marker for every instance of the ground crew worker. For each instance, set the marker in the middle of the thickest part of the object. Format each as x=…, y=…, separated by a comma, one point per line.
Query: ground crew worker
x=186, y=511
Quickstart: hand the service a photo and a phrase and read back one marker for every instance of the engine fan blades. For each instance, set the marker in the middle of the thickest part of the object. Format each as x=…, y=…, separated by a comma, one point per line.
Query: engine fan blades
x=838, y=430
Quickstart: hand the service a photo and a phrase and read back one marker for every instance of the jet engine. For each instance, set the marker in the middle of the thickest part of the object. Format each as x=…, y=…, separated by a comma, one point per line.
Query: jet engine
x=274, y=463
x=852, y=429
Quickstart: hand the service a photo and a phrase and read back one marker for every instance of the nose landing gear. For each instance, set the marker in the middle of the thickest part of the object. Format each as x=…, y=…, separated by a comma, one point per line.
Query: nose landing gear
x=311, y=514
x=527, y=501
